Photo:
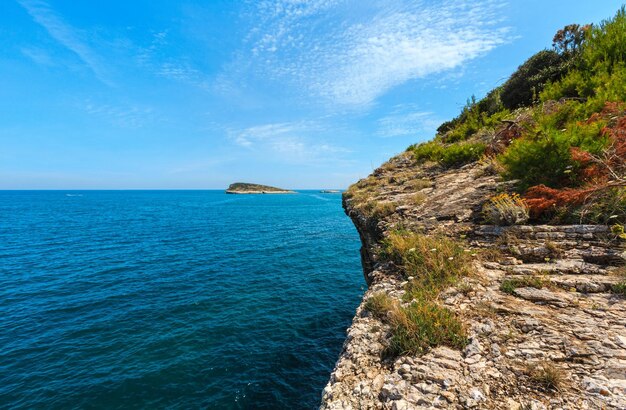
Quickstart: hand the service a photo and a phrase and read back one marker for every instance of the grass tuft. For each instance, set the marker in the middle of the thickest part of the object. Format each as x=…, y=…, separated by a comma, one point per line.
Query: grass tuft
x=509, y=285
x=546, y=376
x=416, y=327
x=434, y=263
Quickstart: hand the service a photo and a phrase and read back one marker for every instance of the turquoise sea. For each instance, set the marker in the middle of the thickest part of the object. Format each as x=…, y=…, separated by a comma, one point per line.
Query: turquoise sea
x=172, y=299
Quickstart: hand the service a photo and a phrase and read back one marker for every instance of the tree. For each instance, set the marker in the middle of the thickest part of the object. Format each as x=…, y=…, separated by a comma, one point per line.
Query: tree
x=570, y=38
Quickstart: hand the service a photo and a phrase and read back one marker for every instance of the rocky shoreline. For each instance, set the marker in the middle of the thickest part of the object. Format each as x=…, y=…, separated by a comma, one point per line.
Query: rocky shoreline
x=573, y=325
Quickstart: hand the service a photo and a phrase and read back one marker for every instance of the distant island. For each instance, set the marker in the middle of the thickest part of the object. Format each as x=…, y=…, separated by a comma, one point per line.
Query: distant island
x=245, y=188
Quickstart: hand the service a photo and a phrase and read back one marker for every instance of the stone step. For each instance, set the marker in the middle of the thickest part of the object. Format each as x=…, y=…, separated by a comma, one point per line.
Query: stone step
x=547, y=232
x=558, y=267
x=579, y=283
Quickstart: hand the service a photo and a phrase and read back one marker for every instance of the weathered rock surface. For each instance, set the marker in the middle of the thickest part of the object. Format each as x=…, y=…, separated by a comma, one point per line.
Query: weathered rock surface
x=573, y=324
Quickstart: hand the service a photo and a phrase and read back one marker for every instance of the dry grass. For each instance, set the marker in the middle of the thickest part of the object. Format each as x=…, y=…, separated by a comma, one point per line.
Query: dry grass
x=434, y=263
x=417, y=184
x=418, y=326
x=415, y=199
x=555, y=250
x=505, y=209
x=545, y=376
x=376, y=209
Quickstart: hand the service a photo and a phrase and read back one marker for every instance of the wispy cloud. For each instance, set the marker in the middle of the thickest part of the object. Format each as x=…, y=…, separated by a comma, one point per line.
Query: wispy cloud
x=66, y=35
x=38, y=55
x=353, y=52
x=151, y=58
x=126, y=116
x=405, y=121
x=290, y=141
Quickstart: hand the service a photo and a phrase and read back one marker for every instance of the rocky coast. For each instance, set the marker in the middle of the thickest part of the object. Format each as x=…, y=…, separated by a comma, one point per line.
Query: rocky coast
x=557, y=345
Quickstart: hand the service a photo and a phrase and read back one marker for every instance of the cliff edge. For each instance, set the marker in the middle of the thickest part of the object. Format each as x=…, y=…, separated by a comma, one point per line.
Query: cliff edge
x=495, y=253
x=543, y=328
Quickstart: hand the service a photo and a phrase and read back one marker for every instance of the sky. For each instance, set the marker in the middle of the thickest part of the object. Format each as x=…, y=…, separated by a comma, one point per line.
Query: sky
x=156, y=94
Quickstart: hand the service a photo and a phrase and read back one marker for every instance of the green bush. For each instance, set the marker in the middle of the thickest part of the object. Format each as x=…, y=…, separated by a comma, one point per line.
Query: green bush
x=460, y=154
x=449, y=155
x=528, y=81
x=427, y=151
x=546, y=158
x=475, y=115
x=605, y=46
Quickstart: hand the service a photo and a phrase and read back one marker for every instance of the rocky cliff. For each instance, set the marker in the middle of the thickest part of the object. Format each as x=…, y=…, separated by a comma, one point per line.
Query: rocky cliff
x=545, y=328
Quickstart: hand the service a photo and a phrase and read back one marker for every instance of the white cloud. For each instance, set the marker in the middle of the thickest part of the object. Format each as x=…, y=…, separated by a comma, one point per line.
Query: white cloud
x=125, y=116
x=38, y=55
x=352, y=52
x=407, y=121
x=290, y=141
x=66, y=35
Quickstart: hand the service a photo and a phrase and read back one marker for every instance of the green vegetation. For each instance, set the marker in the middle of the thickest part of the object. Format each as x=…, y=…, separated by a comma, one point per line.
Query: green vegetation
x=432, y=264
x=417, y=327
x=245, y=187
x=450, y=155
x=528, y=81
x=620, y=287
x=509, y=285
x=557, y=126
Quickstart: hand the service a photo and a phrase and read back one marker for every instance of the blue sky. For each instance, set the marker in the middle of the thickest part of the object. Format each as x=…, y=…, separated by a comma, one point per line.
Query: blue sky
x=198, y=94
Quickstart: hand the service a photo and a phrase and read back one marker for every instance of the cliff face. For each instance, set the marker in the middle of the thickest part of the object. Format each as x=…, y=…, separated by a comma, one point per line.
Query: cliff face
x=570, y=329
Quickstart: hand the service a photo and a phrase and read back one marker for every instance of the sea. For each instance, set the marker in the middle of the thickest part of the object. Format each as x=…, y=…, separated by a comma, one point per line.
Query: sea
x=173, y=299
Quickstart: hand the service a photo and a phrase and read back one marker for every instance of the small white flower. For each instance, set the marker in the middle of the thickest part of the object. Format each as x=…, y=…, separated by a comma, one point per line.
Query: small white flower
x=451, y=258
x=433, y=250
x=412, y=250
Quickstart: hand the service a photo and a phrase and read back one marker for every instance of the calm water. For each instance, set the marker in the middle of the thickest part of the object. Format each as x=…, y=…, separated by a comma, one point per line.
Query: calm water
x=172, y=299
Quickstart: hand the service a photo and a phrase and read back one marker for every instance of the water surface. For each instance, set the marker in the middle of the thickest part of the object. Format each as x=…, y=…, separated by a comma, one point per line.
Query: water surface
x=172, y=299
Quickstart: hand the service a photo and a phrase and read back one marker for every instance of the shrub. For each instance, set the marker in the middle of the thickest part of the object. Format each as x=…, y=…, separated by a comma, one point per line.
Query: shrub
x=460, y=154
x=505, y=209
x=428, y=151
x=606, y=43
x=545, y=158
x=530, y=78
x=449, y=155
